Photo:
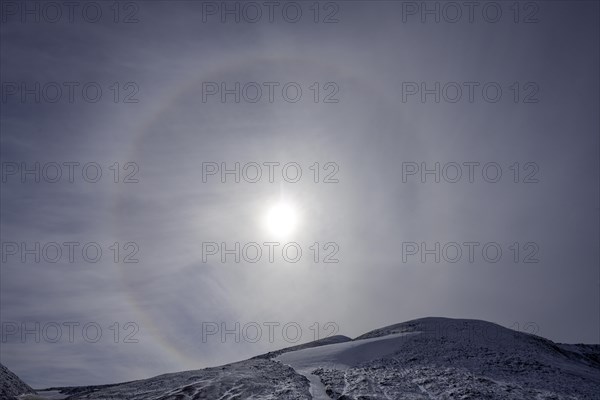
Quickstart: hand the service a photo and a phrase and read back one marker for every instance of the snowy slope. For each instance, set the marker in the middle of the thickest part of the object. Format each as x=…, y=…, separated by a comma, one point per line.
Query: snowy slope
x=338, y=357
x=443, y=358
x=429, y=358
x=10, y=384
x=316, y=343
x=256, y=379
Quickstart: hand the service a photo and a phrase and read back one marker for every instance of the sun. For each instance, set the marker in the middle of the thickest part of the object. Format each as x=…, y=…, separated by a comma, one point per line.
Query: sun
x=281, y=219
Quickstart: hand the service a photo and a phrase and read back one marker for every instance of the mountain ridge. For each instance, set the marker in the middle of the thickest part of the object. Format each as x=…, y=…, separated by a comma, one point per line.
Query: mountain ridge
x=424, y=358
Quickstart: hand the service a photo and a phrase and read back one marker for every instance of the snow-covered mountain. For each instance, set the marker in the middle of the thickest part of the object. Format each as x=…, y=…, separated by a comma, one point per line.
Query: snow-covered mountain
x=428, y=358
x=440, y=358
x=10, y=384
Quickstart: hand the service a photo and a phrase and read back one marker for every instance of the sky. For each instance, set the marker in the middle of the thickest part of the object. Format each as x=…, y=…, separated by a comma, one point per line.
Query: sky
x=434, y=159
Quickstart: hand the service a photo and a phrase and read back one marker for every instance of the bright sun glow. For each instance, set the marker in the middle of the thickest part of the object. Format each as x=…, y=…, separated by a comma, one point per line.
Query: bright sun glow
x=281, y=219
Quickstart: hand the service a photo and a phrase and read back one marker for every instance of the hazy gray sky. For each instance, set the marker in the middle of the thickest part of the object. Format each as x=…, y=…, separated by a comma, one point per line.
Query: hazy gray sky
x=517, y=94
